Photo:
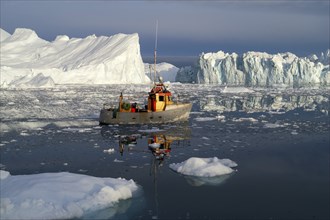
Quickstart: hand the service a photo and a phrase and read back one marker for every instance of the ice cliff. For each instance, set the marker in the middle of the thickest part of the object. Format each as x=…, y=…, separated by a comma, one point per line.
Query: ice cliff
x=257, y=69
x=29, y=61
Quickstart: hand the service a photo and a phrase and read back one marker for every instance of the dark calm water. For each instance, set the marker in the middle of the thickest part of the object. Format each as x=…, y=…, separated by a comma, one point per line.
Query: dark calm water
x=278, y=138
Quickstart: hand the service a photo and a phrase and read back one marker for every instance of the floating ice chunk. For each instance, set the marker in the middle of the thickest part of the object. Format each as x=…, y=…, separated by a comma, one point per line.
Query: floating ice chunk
x=204, y=167
x=245, y=119
x=220, y=117
x=24, y=134
x=205, y=118
x=80, y=130
x=273, y=125
x=83, y=130
x=118, y=161
x=59, y=195
x=82, y=171
x=109, y=151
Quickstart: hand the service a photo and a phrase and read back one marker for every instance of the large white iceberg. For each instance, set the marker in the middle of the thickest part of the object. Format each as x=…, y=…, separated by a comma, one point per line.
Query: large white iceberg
x=59, y=195
x=204, y=167
x=3, y=35
x=257, y=69
x=91, y=60
x=166, y=70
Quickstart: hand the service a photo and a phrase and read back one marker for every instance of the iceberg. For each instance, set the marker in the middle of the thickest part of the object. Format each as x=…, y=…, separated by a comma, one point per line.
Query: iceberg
x=59, y=195
x=166, y=70
x=3, y=35
x=204, y=167
x=257, y=69
x=29, y=60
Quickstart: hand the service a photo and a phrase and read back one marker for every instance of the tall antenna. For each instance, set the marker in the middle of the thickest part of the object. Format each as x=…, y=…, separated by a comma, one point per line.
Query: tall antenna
x=155, y=52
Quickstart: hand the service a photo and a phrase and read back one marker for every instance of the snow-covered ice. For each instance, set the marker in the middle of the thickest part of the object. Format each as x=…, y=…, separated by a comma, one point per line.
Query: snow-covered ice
x=166, y=70
x=29, y=61
x=59, y=195
x=109, y=151
x=257, y=69
x=206, y=118
x=204, y=167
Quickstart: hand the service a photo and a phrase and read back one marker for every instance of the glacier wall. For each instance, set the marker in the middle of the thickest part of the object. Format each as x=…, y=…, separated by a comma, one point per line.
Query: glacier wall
x=257, y=69
x=29, y=61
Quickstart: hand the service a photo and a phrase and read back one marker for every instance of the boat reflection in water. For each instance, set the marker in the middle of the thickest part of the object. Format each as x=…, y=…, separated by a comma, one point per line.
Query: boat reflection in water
x=160, y=146
x=158, y=141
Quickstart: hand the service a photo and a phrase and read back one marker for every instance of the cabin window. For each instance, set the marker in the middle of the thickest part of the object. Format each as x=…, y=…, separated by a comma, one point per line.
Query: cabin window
x=161, y=98
x=169, y=98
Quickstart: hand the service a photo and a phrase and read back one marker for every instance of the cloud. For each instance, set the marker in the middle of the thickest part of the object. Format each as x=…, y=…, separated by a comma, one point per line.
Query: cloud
x=183, y=24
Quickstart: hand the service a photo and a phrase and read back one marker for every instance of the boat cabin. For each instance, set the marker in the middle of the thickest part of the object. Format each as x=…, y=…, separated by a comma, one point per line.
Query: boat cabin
x=159, y=97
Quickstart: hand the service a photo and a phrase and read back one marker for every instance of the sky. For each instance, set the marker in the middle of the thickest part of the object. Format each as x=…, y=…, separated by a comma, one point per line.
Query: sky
x=185, y=28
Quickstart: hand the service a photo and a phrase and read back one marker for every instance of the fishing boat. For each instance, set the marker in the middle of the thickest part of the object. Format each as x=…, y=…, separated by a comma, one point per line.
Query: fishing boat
x=160, y=107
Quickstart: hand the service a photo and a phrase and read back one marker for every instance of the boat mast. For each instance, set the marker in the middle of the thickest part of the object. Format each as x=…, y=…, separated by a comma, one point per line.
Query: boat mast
x=155, y=52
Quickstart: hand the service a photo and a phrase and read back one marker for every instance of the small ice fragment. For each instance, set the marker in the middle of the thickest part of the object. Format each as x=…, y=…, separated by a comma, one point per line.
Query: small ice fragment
x=205, y=118
x=109, y=151
x=24, y=134
x=82, y=171
x=220, y=117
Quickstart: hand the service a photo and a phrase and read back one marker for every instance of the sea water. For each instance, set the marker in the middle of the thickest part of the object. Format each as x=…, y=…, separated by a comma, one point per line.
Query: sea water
x=278, y=137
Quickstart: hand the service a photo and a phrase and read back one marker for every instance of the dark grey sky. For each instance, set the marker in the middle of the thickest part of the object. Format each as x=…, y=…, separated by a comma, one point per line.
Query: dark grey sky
x=185, y=27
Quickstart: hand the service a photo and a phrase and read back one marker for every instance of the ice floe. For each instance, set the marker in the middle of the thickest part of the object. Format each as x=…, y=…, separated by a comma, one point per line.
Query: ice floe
x=206, y=119
x=109, y=151
x=59, y=195
x=204, y=167
x=245, y=119
x=273, y=125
